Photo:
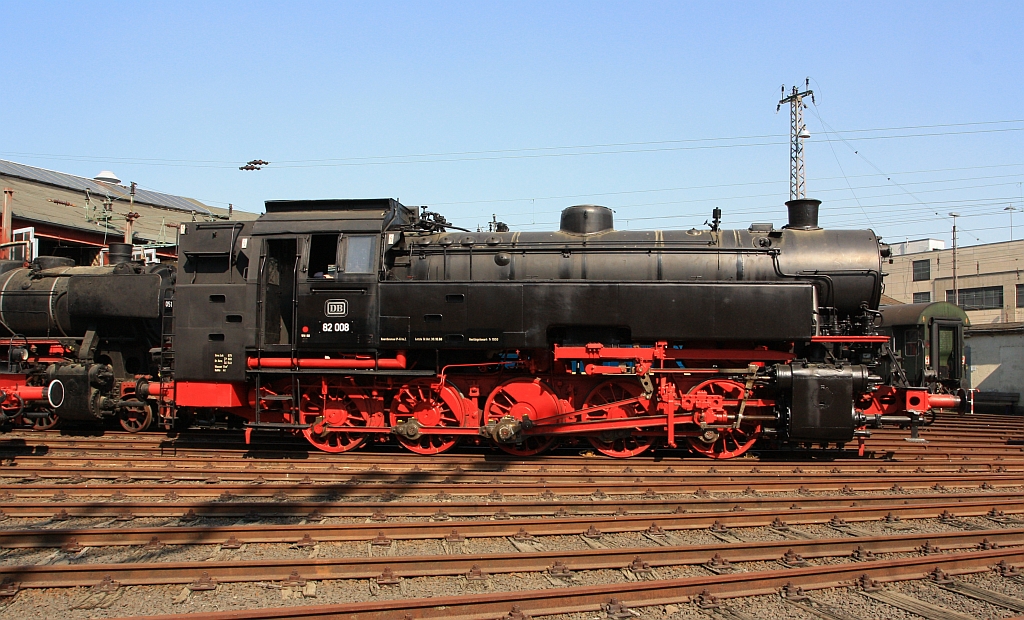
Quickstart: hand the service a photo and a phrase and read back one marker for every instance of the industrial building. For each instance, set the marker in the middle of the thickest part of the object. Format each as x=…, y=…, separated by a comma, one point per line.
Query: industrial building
x=988, y=279
x=59, y=214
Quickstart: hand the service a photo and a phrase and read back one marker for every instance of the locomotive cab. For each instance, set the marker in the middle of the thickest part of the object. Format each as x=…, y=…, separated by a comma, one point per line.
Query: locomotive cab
x=336, y=291
x=320, y=264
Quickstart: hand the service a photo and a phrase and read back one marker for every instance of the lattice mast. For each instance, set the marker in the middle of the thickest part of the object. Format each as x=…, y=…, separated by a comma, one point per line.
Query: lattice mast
x=797, y=133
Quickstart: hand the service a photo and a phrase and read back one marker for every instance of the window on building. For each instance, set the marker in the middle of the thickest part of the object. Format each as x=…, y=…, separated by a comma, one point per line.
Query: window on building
x=981, y=298
x=1020, y=295
x=28, y=235
x=922, y=270
x=922, y=298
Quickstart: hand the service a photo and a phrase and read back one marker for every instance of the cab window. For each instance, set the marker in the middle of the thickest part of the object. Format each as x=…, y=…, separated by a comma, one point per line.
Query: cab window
x=323, y=256
x=359, y=254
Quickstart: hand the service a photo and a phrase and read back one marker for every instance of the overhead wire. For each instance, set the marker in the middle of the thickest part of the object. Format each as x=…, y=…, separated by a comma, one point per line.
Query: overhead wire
x=541, y=151
x=870, y=163
x=832, y=205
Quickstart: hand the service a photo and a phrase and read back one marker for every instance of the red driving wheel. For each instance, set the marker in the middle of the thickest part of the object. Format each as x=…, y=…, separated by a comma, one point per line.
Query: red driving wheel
x=427, y=404
x=616, y=443
x=725, y=443
x=338, y=407
x=518, y=399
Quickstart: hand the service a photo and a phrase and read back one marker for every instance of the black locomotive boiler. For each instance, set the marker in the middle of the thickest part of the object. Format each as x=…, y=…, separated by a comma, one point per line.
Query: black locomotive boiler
x=357, y=321
x=77, y=338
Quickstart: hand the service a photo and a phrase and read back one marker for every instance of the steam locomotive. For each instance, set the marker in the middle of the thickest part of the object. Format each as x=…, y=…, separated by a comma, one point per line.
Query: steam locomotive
x=360, y=321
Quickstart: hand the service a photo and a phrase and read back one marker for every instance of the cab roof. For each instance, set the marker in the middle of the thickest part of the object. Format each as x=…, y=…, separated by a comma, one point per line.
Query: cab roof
x=332, y=204
x=331, y=215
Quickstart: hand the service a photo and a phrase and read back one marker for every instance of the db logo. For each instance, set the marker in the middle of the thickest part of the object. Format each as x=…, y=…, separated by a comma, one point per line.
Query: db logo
x=336, y=307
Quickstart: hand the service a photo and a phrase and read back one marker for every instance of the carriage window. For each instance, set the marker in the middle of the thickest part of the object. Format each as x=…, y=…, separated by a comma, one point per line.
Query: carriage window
x=359, y=254
x=947, y=362
x=323, y=255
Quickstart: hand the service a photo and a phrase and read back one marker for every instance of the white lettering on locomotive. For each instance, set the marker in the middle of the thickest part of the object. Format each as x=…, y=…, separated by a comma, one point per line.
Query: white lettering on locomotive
x=336, y=307
x=222, y=361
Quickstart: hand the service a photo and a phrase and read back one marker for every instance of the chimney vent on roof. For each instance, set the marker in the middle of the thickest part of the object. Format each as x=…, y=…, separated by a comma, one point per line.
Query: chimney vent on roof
x=107, y=177
x=586, y=219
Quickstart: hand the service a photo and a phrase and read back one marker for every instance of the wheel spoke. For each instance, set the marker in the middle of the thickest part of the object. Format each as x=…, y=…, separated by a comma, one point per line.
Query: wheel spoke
x=45, y=423
x=730, y=442
x=519, y=398
x=340, y=406
x=612, y=391
x=419, y=402
x=135, y=420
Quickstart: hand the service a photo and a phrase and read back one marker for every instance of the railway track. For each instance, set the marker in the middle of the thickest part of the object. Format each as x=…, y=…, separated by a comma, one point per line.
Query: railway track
x=640, y=560
x=502, y=523
x=984, y=433
x=445, y=508
x=618, y=599
x=215, y=488
x=121, y=525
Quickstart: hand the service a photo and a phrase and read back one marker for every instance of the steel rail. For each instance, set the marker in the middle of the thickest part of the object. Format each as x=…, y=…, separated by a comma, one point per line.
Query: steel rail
x=975, y=424
x=233, y=442
x=31, y=479
x=500, y=526
x=62, y=467
x=213, y=487
x=159, y=468
x=253, y=570
x=446, y=509
x=1012, y=451
x=634, y=593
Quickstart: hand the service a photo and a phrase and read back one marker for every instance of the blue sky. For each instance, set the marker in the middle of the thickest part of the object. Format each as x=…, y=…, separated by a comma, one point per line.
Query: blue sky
x=661, y=111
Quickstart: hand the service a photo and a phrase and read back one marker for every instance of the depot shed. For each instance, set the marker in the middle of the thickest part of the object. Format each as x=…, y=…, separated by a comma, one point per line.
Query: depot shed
x=60, y=214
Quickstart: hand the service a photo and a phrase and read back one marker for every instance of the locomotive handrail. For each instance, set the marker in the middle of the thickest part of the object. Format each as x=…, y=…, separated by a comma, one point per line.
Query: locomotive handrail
x=831, y=296
x=397, y=363
x=27, y=244
x=558, y=246
x=854, y=339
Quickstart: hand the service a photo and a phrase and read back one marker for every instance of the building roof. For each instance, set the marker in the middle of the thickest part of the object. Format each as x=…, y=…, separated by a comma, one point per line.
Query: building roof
x=60, y=199
x=993, y=328
x=70, y=181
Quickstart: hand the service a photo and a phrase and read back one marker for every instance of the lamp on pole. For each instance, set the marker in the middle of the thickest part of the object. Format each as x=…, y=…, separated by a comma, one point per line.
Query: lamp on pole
x=956, y=289
x=1011, y=209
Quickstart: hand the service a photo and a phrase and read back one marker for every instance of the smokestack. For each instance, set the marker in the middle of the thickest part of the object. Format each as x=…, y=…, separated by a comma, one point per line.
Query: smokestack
x=803, y=214
x=118, y=253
